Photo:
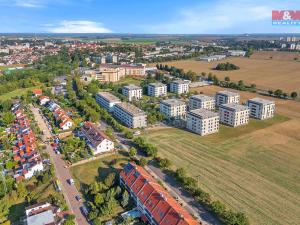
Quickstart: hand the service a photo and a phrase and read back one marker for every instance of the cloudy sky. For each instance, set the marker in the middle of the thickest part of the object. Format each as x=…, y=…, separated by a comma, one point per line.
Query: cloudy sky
x=143, y=16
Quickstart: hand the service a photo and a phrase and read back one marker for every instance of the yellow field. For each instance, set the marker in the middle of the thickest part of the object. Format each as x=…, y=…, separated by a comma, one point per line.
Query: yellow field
x=254, y=169
x=266, y=73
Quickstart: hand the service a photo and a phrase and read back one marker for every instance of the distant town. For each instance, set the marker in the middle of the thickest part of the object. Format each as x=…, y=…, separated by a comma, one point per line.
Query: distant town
x=147, y=130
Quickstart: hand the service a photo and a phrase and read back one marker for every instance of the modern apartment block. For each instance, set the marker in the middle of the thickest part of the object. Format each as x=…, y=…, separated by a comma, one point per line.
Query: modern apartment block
x=173, y=108
x=157, y=89
x=202, y=121
x=107, y=100
x=132, y=92
x=201, y=102
x=179, y=86
x=225, y=97
x=110, y=73
x=233, y=114
x=155, y=204
x=130, y=115
x=261, y=108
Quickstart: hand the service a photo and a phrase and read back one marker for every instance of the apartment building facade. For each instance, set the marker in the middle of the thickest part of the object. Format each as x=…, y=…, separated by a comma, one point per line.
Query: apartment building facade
x=226, y=97
x=157, y=89
x=173, y=108
x=202, y=121
x=130, y=115
x=179, y=86
x=132, y=92
x=110, y=73
x=107, y=100
x=233, y=114
x=261, y=108
x=138, y=70
x=201, y=102
x=156, y=205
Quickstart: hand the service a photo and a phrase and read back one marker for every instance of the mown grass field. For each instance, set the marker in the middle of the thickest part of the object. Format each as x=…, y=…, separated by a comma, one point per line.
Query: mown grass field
x=267, y=73
x=90, y=172
x=16, y=93
x=252, y=168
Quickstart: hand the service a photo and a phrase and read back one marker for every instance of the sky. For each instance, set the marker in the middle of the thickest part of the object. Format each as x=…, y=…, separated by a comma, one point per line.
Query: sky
x=143, y=16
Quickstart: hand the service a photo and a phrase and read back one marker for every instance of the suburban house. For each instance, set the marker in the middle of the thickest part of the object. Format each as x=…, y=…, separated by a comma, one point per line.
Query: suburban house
x=44, y=213
x=60, y=115
x=37, y=92
x=233, y=114
x=156, y=205
x=261, y=108
x=44, y=100
x=96, y=139
x=179, y=86
x=225, y=97
x=132, y=92
x=107, y=100
x=201, y=102
x=202, y=121
x=173, y=108
x=157, y=89
x=130, y=115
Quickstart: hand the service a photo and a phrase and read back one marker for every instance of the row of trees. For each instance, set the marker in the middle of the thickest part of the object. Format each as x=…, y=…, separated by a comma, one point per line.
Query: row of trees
x=192, y=76
x=280, y=94
x=226, y=215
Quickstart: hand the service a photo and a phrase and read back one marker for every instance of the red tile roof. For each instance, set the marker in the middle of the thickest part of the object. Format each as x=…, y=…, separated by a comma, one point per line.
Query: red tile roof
x=37, y=91
x=162, y=206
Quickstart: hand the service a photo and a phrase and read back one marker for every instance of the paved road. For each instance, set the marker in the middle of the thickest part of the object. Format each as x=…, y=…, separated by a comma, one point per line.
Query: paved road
x=173, y=187
x=62, y=173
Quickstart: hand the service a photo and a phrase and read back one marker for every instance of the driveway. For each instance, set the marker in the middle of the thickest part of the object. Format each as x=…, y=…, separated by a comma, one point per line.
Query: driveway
x=63, y=174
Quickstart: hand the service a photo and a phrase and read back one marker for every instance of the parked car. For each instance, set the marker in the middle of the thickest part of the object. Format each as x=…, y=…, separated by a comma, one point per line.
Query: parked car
x=78, y=198
x=84, y=211
x=71, y=181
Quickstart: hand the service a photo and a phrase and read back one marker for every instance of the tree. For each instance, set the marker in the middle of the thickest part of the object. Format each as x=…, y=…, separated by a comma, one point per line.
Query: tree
x=270, y=92
x=99, y=199
x=227, y=79
x=164, y=163
x=278, y=92
x=125, y=199
x=8, y=118
x=294, y=95
x=143, y=161
x=132, y=152
x=110, y=180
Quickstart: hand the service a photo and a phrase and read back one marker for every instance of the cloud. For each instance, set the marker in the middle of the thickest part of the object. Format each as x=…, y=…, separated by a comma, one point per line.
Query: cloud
x=221, y=17
x=77, y=26
x=30, y=3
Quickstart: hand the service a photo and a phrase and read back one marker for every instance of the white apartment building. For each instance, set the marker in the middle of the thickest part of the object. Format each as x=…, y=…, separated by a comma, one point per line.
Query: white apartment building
x=132, y=92
x=179, y=86
x=225, y=97
x=130, y=115
x=261, y=108
x=107, y=100
x=233, y=114
x=157, y=89
x=236, y=53
x=202, y=121
x=201, y=102
x=173, y=108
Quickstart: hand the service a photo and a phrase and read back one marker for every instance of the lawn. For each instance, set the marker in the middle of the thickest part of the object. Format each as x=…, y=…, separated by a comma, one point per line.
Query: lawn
x=95, y=170
x=130, y=80
x=253, y=168
x=16, y=93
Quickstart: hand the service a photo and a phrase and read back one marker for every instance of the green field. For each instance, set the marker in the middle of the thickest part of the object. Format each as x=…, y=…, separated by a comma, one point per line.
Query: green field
x=95, y=170
x=16, y=93
x=250, y=168
x=130, y=80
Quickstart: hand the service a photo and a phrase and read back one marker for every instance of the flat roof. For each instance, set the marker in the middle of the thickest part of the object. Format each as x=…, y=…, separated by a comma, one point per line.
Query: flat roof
x=180, y=81
x=261, y=101
x=172, y=102
x=133, y=110
x=157, y=84
x=228, y=93
x=109, y=97
x=202, y=97
x=46, y=217
x=235, y=107
x=203, y=113
x=132, y=87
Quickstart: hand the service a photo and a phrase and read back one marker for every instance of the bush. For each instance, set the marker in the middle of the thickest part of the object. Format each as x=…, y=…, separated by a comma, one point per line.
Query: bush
x=226, y=66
